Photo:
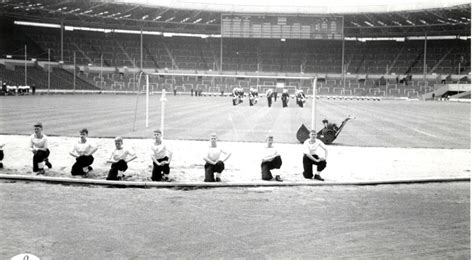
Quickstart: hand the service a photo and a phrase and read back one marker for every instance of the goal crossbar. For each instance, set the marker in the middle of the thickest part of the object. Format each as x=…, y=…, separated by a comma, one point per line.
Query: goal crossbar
x=231, y=75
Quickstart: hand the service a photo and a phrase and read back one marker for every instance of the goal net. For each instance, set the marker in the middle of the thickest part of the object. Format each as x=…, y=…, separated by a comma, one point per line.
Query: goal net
x=218, y=85
x=223, y=84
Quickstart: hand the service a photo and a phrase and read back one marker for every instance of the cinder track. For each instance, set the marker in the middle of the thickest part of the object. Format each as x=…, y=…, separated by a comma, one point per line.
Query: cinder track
x=391, y=221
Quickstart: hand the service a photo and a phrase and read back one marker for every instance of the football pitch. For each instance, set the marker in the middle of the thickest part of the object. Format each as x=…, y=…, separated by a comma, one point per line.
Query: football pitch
x=384, y=221
x=386, y=123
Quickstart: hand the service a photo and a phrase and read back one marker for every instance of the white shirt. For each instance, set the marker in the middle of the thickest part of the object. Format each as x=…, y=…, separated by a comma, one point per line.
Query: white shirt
x=36, y=142
x=159, y=151
x=84, y=148
x=121, y=154
x=311, y=148
x=214, y=153
x=269, y=152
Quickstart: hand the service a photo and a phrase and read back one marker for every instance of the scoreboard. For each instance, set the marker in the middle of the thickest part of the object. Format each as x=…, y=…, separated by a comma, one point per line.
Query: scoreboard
x=282, y=26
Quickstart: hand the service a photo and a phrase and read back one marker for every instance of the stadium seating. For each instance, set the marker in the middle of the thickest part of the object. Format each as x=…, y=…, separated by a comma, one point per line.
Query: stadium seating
x=398, y=60
x=59, y=78
x=372, y=57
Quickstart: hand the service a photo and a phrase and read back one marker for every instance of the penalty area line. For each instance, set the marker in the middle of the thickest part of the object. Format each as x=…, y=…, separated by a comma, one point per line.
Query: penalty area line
x=422, y=132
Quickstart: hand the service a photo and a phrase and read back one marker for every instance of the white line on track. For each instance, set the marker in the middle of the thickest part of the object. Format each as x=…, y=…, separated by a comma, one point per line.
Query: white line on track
x=425, y=133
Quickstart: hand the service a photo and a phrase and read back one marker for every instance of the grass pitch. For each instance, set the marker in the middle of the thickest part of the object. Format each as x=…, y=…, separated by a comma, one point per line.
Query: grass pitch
x=387, y=123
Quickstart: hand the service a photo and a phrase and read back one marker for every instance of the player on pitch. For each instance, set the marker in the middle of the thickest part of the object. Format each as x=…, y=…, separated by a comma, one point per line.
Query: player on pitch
x=119, y=158
x=285, y=97
x=253, y=96
x=300, y=97
x=83, y=151
x=40, y=150
x=214, y=163
x=237, y=95
x=310, y=157
x=269, y=94
x=161, y=156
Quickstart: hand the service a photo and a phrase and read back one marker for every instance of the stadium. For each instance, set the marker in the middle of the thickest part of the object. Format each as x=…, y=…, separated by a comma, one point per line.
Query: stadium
x=397, y=179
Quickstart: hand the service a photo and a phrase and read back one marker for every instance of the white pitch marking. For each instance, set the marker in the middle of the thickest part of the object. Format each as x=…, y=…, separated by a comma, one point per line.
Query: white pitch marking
x=234, y=130
x=425, y=133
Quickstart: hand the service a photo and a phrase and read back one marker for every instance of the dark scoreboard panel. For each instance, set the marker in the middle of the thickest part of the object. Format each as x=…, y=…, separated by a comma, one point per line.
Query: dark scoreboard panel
x=281, y=26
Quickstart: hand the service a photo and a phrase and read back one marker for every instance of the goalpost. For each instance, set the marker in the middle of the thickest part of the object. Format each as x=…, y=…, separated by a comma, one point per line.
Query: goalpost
x=147, y=102
x=219, y=84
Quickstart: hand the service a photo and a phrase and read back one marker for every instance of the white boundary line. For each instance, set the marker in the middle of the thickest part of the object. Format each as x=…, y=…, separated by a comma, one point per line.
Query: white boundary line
x=150, y=184
x=421, y=132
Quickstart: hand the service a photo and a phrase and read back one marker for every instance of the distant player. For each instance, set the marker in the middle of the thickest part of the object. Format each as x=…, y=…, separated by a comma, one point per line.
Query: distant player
x=330, y=131
x=237, y=96
x=269, y=94
x=285, y=97
x=214, y=163
x=161, y=156
x=83, y=151
x=271, y=160
x=119, y=158
x=300, y=97
x=40, y=150
x=253, y=96
x=310, y=157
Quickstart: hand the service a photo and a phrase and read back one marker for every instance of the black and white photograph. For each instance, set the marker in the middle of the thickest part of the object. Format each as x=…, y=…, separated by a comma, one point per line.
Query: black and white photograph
x=216, y=129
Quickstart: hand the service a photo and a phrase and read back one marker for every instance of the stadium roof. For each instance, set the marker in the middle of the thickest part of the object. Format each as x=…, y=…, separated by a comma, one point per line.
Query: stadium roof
x=369, y=18
x=300, y=6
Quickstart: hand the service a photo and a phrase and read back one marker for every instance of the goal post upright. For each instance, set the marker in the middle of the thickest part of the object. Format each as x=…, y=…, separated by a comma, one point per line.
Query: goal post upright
x=139, y=92
x=313, y=106
x=163, y=101
x=147, y=100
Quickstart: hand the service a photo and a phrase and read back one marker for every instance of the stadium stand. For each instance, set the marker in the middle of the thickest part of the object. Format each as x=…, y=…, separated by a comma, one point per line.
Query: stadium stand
x=372, y=57
x=110, y=61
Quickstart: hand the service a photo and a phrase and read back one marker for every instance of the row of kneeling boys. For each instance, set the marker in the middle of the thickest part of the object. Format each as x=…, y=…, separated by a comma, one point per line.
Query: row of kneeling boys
x=161, y=156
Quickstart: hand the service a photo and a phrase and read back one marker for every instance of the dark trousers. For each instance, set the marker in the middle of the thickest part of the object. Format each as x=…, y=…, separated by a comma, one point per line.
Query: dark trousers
x=269, y=101
x=253, y=99
x=159, y=170
x=210, y=169
x=275, y=163
x=299, y=102
x=284, y=101
x=308, y=166
x=40, y=156
x=81, y=162
x=118, y=166
x=236, y=100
